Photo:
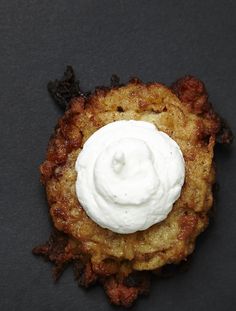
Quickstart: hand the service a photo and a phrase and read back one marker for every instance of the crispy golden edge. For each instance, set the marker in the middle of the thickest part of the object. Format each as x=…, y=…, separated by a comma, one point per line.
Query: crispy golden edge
x=68, y=137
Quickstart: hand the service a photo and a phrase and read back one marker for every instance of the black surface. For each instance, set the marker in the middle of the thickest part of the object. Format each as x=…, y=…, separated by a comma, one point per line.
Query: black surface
x=156, y=40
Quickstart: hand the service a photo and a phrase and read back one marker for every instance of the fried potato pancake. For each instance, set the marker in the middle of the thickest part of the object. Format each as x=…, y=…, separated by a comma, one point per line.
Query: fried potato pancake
x=120, y=261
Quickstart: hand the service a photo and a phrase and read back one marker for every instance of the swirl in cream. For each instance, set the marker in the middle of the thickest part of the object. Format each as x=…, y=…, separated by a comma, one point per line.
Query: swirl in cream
x=129, y=176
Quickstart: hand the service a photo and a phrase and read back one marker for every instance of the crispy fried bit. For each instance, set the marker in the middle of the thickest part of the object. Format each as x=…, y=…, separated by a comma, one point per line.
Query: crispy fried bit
x=115, y=81
x=225, y=135
x=121, y=293
x=192, y=93
x=120, y=262
x=84, y=274
x=55, y=251
x=62, y=91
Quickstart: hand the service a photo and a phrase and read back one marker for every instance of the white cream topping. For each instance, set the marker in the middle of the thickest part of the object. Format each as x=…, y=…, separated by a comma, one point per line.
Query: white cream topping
x=129, y=176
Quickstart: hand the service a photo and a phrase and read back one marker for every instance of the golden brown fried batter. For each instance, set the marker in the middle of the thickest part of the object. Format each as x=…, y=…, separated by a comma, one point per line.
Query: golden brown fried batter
x=119, y=261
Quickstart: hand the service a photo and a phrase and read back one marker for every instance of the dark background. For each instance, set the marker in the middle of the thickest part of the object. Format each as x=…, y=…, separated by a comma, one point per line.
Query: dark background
x=156, y=40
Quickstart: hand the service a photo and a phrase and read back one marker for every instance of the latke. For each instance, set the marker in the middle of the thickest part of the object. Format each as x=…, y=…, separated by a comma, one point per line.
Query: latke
x=121, y=262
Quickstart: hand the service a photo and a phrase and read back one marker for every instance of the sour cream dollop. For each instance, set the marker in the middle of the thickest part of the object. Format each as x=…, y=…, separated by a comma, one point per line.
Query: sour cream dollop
x=129, y=174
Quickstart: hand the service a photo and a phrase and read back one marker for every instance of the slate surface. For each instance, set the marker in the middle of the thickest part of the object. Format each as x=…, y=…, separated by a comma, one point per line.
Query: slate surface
x=156, y=40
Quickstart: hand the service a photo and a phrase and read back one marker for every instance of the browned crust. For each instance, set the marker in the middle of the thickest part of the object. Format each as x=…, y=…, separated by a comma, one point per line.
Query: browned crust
x=189, y=90
x=121, y=290
x=192, y=92
x=54, y=250
x=62, y=249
